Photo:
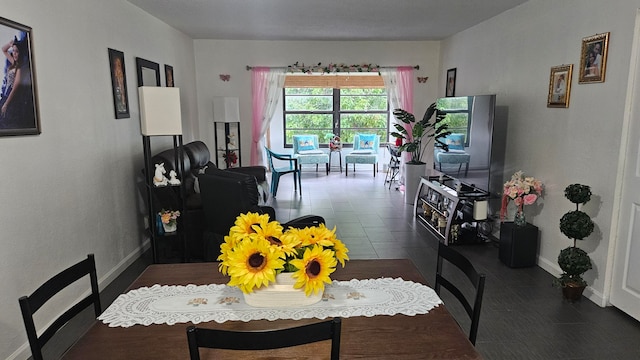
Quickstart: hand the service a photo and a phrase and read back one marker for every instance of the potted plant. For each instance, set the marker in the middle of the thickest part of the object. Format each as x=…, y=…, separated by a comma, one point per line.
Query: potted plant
x=574, y=261
x=279, y=267
x=416, y=135
x=413, y=135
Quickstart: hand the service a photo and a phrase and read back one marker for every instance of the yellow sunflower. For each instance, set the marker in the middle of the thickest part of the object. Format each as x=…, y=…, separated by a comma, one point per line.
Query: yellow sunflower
x=341, y=251
x=322, y=236
x=314, y=269
x=272, y=232
x=225, y=248
x=253, y=263
x=244, y=224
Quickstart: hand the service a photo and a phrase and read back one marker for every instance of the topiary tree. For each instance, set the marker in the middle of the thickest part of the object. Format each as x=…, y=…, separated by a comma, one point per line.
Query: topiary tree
x=576, y=225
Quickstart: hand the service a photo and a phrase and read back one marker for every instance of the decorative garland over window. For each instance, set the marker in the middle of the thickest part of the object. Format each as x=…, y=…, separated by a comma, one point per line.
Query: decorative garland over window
x=332, y=68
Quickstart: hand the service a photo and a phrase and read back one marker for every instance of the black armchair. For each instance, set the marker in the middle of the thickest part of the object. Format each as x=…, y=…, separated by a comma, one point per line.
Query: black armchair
x=227, y=194
x=197, y=159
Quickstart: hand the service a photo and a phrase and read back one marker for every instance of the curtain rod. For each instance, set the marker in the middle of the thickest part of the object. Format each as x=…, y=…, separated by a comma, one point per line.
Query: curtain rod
x=299, y=68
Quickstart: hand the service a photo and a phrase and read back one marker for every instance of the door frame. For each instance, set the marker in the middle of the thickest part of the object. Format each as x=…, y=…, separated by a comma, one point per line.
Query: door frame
x=631, y=100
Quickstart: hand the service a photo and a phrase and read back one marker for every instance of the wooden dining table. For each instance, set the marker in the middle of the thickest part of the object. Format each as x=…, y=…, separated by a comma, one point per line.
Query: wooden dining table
x=434, y=335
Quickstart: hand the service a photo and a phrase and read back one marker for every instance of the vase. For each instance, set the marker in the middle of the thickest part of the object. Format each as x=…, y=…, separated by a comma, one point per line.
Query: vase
x=169, y=228
x=281, y=294
x=519, y=219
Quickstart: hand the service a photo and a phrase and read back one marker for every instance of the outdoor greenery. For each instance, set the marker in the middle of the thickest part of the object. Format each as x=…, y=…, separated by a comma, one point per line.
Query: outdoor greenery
x=311, y=111
x=457, y=116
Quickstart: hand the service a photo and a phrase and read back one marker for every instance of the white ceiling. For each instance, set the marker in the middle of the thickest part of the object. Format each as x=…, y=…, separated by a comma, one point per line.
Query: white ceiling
x=337, y=20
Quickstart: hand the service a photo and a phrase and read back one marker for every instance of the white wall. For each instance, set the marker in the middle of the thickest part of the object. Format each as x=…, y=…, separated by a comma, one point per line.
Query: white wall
x=215, y=57
x=70, y=191
x=511, y=55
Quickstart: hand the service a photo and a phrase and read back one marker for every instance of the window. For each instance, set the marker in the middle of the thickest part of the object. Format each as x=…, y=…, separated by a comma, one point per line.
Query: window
x=458, y=113
x=341, y=105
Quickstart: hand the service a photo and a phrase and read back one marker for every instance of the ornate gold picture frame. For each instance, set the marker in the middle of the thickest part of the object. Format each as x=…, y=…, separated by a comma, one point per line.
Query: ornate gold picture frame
x=560, y=86
x=593, y=58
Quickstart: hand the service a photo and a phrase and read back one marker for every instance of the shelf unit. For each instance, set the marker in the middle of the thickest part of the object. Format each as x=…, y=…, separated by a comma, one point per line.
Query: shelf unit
x=158, y=238
x=227, y=136
x=442, y=204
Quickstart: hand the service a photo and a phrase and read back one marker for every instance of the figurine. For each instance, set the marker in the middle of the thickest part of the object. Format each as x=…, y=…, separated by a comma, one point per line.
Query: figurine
x=173, y=179
x=231, y=141
x=159, y=179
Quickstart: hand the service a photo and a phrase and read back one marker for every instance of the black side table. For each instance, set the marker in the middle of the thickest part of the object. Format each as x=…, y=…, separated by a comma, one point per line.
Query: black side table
x=518, y=245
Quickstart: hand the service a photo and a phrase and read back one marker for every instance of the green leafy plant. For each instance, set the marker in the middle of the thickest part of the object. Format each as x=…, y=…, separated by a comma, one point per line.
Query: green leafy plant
x=418, y=134
x=576, y=225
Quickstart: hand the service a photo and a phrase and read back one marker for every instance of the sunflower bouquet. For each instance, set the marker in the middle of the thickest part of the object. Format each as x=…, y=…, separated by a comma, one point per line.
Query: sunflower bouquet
x=257, y=249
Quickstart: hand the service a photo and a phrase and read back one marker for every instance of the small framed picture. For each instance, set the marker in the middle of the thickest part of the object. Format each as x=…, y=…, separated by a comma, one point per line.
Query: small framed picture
x=18, y=92
x=119, y=84
x=451, y=82
x=168, y=75
x=560, y=86
x=593, y=59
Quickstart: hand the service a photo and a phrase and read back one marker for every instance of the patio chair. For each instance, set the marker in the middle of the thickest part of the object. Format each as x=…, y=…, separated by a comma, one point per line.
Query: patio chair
x=290, y=167
x=307, y=150
x=365, y=151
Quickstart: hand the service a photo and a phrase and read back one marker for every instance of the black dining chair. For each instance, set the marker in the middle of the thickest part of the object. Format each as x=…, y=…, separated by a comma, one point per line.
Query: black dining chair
x=32, y=303
x=265, y=340
x=477, y=281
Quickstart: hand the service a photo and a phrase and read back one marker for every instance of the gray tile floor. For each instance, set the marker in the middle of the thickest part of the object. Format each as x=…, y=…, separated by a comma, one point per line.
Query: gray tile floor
x=523, y=316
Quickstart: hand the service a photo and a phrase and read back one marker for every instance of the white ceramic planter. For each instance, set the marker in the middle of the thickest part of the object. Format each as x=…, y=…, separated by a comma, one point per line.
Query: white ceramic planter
x=412, y=176
x=281, y=294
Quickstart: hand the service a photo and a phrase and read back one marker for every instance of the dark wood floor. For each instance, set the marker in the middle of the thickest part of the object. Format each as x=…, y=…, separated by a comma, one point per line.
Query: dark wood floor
x=523, y=316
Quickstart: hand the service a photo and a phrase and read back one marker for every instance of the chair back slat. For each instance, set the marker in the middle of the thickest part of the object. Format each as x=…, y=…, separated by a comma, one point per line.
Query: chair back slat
x=29, y=305
x=476, y=279
x=265, y=340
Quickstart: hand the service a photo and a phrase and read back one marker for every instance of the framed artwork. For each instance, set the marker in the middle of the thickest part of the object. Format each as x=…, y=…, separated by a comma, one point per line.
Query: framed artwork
x=451, y=82
x=593, y=58
x=148, y=72
x=560, y=86
x=168, y=75
x=119, y=84
x=18, y=96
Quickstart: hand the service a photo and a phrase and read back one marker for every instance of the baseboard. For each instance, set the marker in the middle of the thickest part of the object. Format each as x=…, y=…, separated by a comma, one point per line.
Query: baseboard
x=23, y=352
x=112, y=274
x=589, y=293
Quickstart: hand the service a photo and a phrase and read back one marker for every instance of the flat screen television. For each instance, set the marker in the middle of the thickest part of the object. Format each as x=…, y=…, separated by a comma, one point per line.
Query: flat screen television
x=477, y=139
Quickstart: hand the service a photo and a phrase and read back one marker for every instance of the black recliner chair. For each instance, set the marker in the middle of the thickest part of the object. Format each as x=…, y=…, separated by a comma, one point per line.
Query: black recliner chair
x=196, y=160
x=227, y=194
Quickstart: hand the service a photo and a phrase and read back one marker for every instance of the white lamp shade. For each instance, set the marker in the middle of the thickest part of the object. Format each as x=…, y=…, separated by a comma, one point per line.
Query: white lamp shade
x=160, y=111
x=226, y=109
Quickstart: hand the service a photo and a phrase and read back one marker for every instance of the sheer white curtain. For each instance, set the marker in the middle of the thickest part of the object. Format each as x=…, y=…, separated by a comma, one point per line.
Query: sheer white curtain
x=266, y=90
x=399, y=85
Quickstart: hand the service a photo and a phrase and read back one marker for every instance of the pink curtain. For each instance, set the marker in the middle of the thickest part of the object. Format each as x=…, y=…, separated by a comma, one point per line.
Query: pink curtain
x=405, y=88
x=259, y=84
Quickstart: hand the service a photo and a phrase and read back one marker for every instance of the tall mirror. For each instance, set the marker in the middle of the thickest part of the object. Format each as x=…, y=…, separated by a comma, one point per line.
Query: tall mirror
x=471, y=122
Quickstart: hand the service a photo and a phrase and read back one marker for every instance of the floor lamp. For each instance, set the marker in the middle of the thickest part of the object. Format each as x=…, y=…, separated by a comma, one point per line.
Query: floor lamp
x=160, y=115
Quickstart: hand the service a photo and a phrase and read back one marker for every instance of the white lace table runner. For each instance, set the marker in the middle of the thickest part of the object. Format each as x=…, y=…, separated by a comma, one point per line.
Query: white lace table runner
x=172, y=304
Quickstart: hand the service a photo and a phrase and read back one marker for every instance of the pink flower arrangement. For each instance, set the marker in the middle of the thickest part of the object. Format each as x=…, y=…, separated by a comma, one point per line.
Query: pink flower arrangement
x=522, y=190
